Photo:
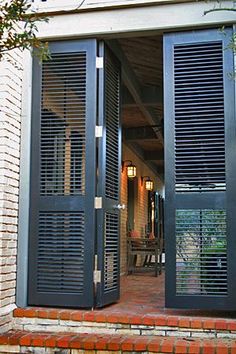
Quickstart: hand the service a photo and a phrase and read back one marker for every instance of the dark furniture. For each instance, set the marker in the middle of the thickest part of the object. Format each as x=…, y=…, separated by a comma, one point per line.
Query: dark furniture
x=147, y=249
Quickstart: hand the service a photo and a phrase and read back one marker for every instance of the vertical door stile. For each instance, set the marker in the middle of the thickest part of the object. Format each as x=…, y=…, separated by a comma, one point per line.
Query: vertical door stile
x=200, y=170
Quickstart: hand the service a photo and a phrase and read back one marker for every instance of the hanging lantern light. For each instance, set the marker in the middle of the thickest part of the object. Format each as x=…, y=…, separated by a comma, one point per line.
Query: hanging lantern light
x=131, y=168
x=148, y=183
x=131, y=171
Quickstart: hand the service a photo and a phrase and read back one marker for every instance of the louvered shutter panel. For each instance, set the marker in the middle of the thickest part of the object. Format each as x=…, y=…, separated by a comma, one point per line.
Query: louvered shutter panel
x=199, y=117
x=109, y=163
x=200, y=170
x=61, y=248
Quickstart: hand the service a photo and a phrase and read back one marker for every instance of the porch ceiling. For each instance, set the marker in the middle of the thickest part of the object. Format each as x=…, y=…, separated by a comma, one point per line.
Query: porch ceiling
x=142, y=99
x=145, y=56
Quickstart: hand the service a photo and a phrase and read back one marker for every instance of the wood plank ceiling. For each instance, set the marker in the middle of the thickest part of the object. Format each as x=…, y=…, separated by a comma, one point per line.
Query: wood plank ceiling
x=142, y=106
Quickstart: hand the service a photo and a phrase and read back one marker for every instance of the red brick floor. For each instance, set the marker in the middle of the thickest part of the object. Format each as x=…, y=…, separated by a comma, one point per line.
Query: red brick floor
x=141, y=294
x=145, y=294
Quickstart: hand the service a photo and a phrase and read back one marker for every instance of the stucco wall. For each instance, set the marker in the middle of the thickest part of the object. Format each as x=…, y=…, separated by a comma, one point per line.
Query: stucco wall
x=113, y=20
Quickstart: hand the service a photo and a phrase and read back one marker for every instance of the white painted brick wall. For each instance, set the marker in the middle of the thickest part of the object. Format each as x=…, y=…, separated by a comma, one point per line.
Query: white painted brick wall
x=10, y=118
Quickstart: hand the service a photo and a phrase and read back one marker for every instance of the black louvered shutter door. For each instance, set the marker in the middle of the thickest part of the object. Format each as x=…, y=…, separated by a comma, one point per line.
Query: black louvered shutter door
x=200, y=170
x=62, y=233
x=109, y=164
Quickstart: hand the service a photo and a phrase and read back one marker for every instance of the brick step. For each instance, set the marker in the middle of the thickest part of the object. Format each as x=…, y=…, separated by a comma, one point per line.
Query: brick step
x=100, y=321
x=69, y=343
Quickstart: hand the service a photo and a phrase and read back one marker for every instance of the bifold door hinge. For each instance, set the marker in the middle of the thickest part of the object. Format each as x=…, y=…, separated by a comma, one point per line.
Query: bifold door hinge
x=98, y=203
x=97, y=274
x=99, y=62
x=98, y=131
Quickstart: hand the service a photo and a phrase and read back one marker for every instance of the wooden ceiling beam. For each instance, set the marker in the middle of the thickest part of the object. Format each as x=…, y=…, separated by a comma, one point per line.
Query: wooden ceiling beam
x=156, y=155
x=133, y=85
x=139, y=133
x=150, y=95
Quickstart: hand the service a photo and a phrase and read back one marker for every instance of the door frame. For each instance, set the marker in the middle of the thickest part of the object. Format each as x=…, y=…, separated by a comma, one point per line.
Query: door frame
x=23, y=234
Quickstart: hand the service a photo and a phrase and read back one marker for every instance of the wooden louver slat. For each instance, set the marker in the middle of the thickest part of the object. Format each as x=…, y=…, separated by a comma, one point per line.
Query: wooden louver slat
x=201, y=252
x=111, y=269
x=61, y=252
x=199, y=117
x=63, y=125
x=112, y=106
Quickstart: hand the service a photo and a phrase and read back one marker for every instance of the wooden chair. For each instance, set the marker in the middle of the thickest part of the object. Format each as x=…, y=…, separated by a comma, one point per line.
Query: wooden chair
x=147, y=249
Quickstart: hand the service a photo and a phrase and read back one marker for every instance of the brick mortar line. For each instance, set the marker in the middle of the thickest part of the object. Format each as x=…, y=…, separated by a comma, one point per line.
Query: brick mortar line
x=115, y=343
x=134, y=320
x=57, y=325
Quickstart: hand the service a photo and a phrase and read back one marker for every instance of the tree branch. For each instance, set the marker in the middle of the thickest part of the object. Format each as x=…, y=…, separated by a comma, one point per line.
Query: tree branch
x=219, y=9
x=18, y=29
x=8, y=49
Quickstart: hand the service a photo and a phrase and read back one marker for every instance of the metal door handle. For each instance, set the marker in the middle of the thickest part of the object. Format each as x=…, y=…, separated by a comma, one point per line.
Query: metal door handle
x=120, y=206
